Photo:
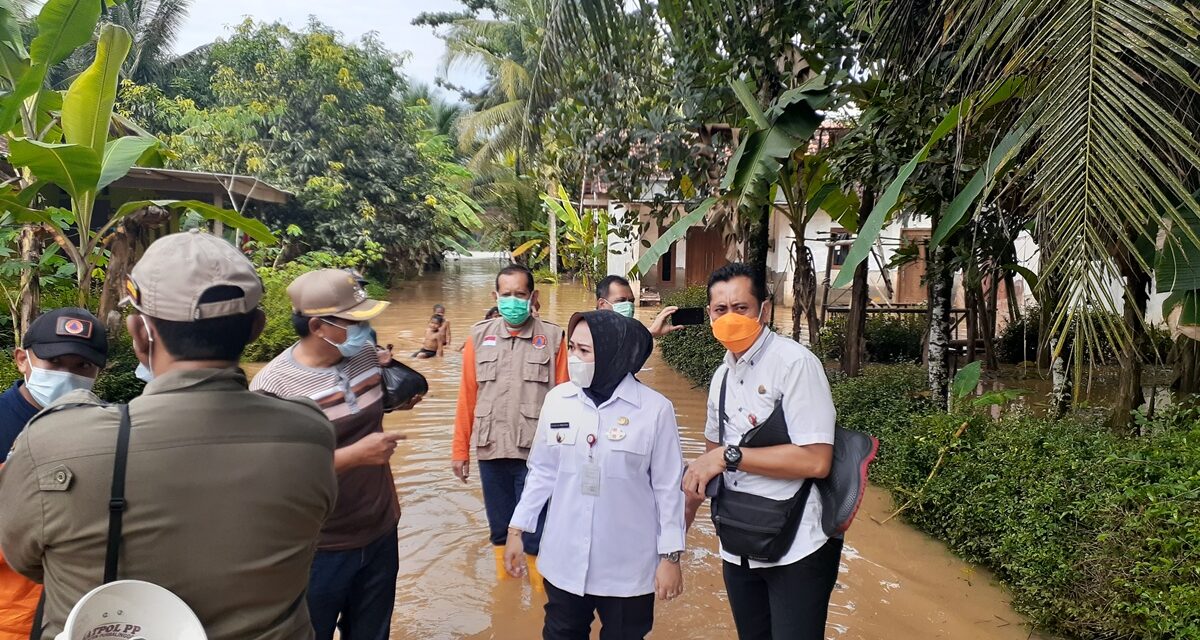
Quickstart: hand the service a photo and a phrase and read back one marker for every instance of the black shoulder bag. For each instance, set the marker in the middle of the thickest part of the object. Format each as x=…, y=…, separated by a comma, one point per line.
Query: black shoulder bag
x=750, y=526
x=116, y=510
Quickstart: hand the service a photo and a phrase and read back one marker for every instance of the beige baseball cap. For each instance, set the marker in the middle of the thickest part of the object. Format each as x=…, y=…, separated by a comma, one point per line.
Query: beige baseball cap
x=176, y=270
x=334, y=293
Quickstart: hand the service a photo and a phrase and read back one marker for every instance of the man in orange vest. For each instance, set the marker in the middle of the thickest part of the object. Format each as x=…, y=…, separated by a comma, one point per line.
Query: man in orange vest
x=509, y=364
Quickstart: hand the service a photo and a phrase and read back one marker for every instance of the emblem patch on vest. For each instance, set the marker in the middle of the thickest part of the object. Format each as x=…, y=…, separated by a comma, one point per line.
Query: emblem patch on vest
x=539, y=342
x=489, y=341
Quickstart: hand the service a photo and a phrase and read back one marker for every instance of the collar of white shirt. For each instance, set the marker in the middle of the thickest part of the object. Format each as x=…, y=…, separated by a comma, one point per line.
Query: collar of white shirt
x=629, y=390
x=752, y=354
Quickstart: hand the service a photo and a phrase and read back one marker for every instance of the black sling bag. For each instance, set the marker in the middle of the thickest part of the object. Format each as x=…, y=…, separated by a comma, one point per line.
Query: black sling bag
x=116, y=510
x=750, y=526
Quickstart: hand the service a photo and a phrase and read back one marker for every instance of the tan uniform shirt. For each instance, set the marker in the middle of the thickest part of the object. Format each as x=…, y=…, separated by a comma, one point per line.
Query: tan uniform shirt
x=506, y=376
x=226, y=490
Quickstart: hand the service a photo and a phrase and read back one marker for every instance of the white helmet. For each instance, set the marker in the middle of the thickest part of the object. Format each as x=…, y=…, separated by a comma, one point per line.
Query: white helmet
x=131, y=610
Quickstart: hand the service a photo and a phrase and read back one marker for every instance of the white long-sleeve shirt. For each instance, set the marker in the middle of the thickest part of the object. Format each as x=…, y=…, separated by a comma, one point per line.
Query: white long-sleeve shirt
x=606, y=544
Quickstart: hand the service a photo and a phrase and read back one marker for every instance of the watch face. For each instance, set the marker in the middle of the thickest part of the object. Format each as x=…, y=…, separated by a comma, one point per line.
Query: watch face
x=733, y=454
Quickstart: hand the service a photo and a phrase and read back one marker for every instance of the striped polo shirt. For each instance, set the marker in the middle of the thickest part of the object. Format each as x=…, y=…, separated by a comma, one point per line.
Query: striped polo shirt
x=351, y=395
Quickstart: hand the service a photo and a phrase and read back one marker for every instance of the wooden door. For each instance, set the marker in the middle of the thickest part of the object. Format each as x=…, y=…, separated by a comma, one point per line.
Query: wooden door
x=910, y=282
x=705, y=254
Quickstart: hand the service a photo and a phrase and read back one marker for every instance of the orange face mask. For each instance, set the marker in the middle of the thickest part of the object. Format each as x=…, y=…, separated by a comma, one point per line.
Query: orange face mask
x=736, y=331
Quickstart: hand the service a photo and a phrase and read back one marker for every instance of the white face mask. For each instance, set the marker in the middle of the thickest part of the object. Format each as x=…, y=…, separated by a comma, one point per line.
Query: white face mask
x=581, y=372
x=46, y=385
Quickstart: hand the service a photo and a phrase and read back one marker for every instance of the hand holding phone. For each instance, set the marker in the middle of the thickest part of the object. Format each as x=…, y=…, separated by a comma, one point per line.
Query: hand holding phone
x=688, y=316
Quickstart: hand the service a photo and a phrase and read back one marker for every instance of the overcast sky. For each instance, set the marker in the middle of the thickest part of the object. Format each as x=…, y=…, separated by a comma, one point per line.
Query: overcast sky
x=392, y=19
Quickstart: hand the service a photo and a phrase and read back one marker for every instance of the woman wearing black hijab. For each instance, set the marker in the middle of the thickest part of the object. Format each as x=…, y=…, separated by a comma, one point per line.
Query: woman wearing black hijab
x=607, y=458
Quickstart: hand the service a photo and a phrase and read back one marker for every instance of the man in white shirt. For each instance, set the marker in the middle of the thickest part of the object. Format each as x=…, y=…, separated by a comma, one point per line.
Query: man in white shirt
x=787, y=599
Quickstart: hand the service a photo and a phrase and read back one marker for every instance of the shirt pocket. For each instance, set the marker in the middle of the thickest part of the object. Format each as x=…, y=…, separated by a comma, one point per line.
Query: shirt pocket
x=486, y=364
x=629, y=457
x=481, y=433
x=536, y=367
x=527, y=428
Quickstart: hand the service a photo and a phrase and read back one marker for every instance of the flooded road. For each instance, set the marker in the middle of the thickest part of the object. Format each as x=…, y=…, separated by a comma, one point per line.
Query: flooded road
x=895, y=582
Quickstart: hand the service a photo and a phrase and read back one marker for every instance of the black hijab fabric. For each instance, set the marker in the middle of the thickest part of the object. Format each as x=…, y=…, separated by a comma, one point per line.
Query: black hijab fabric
x=622, y=345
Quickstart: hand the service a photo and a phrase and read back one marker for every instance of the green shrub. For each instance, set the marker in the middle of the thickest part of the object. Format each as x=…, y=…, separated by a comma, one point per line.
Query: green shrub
x=891, y=339
x=1096, y=536
x=1017, y=341
x=279, y=334
x=693, y=352
x=117, y=383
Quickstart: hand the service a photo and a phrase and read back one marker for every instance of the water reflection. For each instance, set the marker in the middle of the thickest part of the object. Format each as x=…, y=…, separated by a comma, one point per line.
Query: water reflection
x=895, y=583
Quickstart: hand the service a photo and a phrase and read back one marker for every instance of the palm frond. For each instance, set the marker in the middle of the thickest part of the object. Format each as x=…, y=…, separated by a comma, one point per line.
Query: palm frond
x=1110, y=153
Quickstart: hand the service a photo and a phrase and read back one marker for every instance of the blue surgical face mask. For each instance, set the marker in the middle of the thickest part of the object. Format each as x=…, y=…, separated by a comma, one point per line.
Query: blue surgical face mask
x=143, y=373
x=46, y=385
x=358, y=336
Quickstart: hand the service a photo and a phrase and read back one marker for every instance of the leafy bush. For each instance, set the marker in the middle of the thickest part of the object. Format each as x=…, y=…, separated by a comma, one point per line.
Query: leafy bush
x=1095, y=535
x=1018, y=341
x=279, y=334
x=891, y=339
x=117, y=383
x=694, y=352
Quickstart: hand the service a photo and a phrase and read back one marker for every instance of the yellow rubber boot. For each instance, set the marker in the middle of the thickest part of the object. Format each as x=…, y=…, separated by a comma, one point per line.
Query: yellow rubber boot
x=501, y=572
x=535, y=577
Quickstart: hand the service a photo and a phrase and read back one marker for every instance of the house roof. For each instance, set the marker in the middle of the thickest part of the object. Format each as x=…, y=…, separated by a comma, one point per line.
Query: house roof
x=202, y=182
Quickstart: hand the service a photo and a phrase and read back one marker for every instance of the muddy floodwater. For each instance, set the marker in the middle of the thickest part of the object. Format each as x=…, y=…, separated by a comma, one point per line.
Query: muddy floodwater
x=895, y=584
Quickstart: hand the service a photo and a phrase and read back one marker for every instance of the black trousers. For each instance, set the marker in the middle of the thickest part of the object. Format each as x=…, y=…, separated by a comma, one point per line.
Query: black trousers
x=569, y=617
x=784, y=603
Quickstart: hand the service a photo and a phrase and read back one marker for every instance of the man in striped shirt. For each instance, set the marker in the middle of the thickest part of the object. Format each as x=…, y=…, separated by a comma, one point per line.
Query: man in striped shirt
x=336, y=364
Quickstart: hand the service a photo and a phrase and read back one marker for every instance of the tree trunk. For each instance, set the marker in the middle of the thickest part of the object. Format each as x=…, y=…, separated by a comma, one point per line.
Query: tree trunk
x=804, y=290
x=30, y=300
x=1185, y=368
x=971, y=296
x=1063, y=386
x=940, y=290
x=123, y=245
x=552, y=226
x=1129, y=386
x=855, y=350
x=988, y=328
x=759, y=242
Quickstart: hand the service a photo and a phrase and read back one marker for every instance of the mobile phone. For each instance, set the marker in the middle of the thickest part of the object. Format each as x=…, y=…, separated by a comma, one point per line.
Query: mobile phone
x=688, y=315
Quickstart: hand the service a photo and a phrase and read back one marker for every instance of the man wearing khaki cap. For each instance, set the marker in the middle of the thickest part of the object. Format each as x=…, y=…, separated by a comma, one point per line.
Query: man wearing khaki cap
x=224, y=490
x=336, y=364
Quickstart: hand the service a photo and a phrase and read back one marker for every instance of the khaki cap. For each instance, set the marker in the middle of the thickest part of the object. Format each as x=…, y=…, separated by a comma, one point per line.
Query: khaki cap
x=334, y=293
x=177, y=269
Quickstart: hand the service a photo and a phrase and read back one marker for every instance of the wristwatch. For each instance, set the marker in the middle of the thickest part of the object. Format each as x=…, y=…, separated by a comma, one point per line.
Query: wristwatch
x=672, y=557
x=733, y=457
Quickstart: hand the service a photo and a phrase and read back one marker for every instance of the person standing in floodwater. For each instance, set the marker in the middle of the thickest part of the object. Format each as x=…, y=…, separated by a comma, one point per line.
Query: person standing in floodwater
x=767, y=380
x=616, y=294
x=336, y=364
x=509, y=365
x=607, y=458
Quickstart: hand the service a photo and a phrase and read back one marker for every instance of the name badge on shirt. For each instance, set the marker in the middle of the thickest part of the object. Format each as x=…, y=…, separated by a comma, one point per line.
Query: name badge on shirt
x=590, y=478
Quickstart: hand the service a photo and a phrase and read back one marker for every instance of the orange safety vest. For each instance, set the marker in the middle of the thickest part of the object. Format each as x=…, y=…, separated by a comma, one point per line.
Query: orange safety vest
x=18, y=603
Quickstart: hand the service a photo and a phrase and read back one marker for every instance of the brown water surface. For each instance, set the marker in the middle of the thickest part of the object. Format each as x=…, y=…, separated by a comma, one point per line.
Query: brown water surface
x=895, y=583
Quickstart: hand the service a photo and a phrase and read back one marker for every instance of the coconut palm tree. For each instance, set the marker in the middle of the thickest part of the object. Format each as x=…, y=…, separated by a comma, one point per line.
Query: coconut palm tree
x=154, y=25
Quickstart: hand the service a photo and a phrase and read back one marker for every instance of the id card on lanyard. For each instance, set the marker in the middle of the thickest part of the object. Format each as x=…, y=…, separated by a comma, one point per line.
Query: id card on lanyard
x=590, y=478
